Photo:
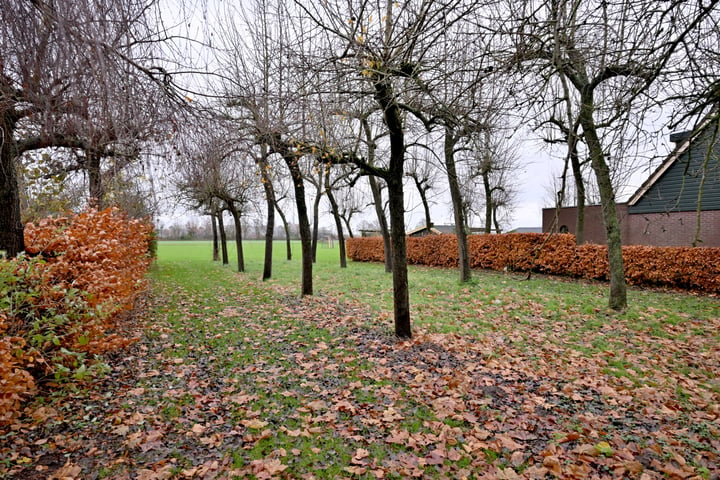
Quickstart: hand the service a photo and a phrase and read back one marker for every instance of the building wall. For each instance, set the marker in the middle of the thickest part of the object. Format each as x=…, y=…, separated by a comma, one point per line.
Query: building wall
x=594, y=226
x=694, y=175
x=676, y=229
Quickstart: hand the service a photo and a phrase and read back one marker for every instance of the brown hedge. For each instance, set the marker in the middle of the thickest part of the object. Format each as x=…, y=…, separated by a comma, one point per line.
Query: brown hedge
x=696, y=269
x=63, y=303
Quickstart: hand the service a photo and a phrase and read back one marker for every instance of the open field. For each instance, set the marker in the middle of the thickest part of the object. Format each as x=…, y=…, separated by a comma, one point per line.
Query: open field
x=504, y=378
x=572, y=314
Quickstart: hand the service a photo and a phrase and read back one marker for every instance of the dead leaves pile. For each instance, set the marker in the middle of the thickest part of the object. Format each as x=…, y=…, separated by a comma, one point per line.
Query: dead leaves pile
x=315, y=388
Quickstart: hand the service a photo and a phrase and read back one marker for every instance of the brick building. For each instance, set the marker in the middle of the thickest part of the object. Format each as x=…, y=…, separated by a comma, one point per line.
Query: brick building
x=664, y=210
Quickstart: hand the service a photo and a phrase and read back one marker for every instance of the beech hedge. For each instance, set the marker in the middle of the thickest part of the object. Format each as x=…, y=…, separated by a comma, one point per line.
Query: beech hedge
x=687, y=268
x=63, y=301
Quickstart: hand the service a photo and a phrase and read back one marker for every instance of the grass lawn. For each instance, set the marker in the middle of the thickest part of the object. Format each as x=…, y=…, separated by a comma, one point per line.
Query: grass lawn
x=504, y=378
x=568, y=313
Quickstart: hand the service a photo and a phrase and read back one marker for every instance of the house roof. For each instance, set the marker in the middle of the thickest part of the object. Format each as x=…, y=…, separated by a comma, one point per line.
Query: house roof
x=440, y=229
x=683, y=141
x=432, y=230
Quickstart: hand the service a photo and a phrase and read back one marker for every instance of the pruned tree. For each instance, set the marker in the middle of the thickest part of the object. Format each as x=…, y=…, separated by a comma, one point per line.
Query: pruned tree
x=343, y=179
x=494, y=162
x=457, y=101
x=265, y=98
x=423, y=172
x=602, y=52
x=65, y=68
x=217, y=173
x=378, y=51
x=314, y=174
x=351, y=201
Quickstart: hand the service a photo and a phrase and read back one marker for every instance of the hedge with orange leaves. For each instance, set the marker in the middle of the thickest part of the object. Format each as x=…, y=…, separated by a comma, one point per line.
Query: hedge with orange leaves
x=696, y=269
x=62, y=301
x=101, y=252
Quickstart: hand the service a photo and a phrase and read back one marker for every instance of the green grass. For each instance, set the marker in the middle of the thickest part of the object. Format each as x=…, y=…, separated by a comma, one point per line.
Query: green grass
x=248, y=376
x=528, y=313
x=439, y=302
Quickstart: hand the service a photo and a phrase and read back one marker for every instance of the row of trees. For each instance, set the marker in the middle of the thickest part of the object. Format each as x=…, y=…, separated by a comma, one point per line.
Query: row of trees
x=337, y=94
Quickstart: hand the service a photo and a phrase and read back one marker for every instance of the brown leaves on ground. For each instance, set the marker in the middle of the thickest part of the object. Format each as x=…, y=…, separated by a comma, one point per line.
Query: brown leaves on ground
x=312, y=389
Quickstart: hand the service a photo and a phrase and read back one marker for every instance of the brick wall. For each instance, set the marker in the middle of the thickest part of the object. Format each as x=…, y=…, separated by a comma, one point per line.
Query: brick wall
x=594, y=226
x=676, y=229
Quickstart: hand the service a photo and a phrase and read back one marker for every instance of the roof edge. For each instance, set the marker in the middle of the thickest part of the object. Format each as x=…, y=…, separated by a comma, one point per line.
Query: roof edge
x=686, y=139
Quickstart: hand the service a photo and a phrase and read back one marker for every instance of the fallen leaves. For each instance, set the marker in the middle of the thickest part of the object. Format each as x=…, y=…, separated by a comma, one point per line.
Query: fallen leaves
x=254, y=423
x=281, y=389
x=267, y=468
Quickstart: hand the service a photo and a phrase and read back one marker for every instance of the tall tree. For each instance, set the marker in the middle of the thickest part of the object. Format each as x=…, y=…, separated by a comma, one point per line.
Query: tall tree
x=611, y=64
x=378, y=50
x=258, y=85
x=458, y=100
x=60, y=62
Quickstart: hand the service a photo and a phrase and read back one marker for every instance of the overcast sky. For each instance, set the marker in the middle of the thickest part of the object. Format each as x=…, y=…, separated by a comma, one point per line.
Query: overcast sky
x=533, y=180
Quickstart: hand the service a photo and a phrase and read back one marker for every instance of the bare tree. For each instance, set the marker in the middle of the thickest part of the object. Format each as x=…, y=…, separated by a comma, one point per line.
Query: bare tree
x=314, y=174
x=568, y=127
x=218, y=172
x=423, y=173
x=611, y=65
x=266, y=97
x=458, y=100
x=378, y=51
x=351, y=201
x=281, y=195
x=495, y=162
x=330, y=186
x=264, y=168
x=370, y=140
x=65, y=66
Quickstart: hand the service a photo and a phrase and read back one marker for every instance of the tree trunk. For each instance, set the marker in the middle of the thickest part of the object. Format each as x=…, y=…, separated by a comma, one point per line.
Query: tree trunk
x=96, y=189
x=11, y=227
x=401, y=295
x=579, y=190
x=286, y=227
x=238, y=235
x=316, y=215
x=488, y=200
x=382, y=221
x=618, y=288
x=393, y=120
x=349, y=228
x=223, y=238
x=377, y=198
x=215, y=249
x=305, y=235
x=270, y=201
x=423, y=198
x=495, y=219
x=458, y=209
x=338, y=220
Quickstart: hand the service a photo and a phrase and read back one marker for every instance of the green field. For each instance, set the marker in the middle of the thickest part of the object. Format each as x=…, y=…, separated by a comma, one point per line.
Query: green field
x=661, y=355
x=233, y=377
x=439, y=302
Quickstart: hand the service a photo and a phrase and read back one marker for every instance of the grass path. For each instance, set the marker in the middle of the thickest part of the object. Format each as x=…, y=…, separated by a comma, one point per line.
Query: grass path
x=235, y=378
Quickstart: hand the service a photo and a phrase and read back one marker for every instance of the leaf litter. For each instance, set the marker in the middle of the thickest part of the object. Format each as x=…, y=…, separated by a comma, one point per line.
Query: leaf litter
x=225, y=384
